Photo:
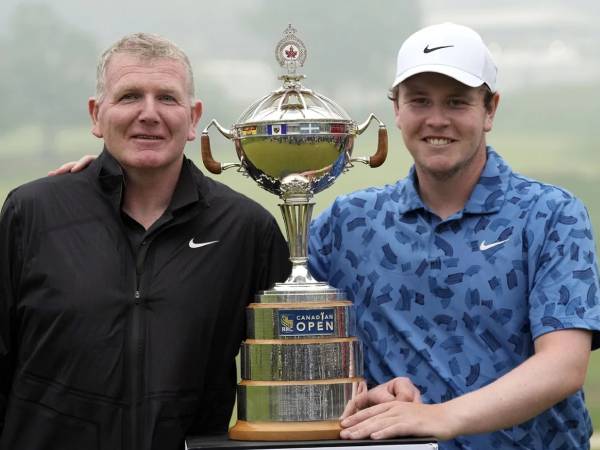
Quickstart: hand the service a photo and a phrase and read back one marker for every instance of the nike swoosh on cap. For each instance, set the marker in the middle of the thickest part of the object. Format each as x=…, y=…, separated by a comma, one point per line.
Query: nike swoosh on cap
x=483, y=246
x=200, y=244
x=433, y=49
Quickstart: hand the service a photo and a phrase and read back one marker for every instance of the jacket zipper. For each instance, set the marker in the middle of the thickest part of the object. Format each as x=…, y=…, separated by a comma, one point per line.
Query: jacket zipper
x=137, y=352
x=135, y=369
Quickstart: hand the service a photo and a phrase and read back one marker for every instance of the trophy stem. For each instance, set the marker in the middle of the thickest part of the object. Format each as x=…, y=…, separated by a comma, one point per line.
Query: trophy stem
x=296, y=216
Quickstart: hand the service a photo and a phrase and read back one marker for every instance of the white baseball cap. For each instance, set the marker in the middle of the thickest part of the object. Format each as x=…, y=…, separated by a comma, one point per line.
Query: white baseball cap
x=452, y=50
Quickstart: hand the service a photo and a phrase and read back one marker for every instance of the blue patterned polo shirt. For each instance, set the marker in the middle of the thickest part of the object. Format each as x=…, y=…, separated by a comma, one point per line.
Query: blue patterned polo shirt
x=456, y=304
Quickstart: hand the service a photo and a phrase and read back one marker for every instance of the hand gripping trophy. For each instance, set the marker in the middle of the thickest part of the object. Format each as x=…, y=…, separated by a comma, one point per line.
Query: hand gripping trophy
x=301, y=361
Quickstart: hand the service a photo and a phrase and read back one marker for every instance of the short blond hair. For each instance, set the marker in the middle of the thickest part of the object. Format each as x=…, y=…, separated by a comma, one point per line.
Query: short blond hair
x=145, y=46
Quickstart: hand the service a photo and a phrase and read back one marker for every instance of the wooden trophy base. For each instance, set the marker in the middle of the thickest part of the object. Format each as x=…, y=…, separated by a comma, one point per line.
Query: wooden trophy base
x=285, y=431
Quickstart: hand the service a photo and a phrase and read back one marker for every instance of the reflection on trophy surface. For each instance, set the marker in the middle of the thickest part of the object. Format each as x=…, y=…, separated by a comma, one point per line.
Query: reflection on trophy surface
x=301, y=361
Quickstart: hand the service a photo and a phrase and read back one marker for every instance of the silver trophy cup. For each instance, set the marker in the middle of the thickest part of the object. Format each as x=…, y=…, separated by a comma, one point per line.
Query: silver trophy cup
x=301, y=361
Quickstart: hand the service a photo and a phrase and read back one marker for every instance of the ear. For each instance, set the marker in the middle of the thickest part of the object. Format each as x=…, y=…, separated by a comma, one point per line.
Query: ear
x=93, y=107
x=396, y=113
x=196, y=113
x=491, y=112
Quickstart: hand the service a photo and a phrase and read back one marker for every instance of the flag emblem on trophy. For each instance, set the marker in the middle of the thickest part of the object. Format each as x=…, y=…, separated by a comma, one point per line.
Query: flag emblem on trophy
x=277, y=129
x=337, y=128
x=310, y=128
x=249, y=131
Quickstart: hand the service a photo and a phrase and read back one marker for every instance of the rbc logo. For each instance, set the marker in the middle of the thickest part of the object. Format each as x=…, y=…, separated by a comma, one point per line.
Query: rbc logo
x=287, y=324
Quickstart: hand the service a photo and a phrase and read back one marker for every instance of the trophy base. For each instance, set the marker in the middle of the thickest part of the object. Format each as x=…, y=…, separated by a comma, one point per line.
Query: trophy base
x=285, y=431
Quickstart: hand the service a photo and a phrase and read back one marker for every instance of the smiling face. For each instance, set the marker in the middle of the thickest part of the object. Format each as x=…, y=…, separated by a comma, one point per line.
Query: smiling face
x=443, y=124
x=145, y=116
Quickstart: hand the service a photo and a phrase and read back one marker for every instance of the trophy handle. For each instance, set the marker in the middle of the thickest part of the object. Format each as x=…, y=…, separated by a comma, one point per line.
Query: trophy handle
x=210, y=163
x=382, y=144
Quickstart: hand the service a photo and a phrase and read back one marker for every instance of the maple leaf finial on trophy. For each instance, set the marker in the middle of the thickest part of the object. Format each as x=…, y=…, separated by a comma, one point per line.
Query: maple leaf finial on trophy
x=290, y=53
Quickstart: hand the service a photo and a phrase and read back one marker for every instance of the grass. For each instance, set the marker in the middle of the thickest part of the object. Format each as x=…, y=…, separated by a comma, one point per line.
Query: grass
x=592, y=389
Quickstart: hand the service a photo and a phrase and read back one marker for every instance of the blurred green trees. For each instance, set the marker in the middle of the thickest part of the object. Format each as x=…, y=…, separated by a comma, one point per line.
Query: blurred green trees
x=47, y=72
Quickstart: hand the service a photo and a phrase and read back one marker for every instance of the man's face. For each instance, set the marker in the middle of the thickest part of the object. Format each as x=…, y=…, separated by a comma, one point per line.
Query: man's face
x=146, y=115
x=443, y=124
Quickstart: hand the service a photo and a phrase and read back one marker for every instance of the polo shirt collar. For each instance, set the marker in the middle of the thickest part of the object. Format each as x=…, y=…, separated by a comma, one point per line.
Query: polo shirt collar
x=487, y=196
x=408, y=193
x=489, y=192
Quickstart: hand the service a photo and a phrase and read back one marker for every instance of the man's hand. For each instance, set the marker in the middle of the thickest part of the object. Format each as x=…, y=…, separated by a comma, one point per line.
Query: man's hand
x=73, y=166
x=398, y=418
x=398, y=390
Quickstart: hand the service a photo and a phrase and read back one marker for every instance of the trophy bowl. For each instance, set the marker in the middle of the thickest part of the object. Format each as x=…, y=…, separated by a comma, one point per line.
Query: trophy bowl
x=294, y=130
x=301, y=360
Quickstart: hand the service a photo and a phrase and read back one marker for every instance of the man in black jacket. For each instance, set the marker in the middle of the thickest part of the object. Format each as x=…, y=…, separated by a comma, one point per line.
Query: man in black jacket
x=123, y=287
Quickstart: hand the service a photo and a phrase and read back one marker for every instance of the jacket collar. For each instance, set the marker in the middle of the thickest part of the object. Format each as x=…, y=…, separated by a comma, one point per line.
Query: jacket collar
x=191, y=186
x=487, y=196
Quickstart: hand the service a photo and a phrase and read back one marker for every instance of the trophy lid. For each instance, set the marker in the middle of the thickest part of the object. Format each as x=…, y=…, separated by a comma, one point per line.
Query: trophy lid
x=293, y=104
x=292, y=101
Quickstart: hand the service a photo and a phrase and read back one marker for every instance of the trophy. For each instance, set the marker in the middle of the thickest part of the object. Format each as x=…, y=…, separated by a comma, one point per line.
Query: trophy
x=301, y=361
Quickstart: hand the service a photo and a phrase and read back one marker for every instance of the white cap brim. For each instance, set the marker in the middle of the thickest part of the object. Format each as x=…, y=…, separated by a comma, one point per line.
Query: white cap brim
x=459, y=75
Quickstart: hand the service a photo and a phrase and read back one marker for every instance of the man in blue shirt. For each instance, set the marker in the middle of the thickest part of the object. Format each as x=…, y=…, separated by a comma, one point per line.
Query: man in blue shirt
x=476, y=288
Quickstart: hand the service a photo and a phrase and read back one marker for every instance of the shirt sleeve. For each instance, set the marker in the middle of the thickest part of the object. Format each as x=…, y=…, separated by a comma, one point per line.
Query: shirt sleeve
x=563, y=270
x=276, y=265
x=10, y=264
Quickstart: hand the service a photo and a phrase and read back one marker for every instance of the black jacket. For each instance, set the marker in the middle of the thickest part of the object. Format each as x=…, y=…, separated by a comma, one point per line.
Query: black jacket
x=96, y=356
